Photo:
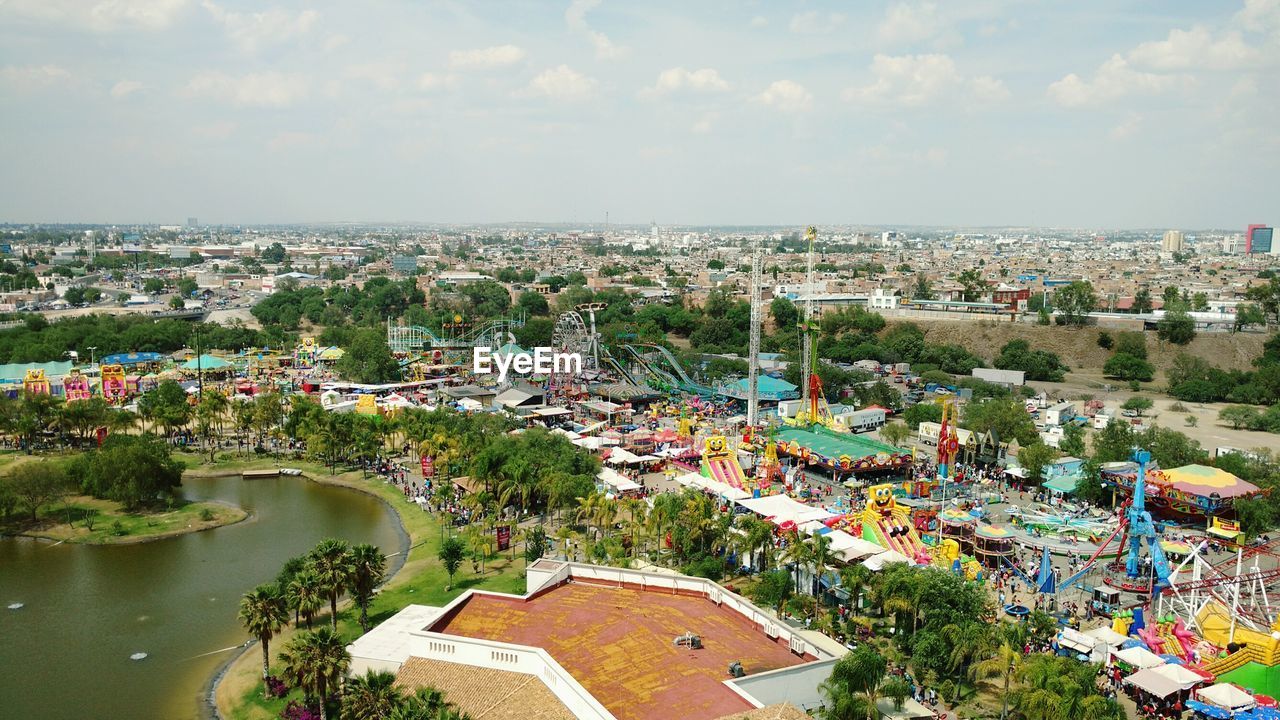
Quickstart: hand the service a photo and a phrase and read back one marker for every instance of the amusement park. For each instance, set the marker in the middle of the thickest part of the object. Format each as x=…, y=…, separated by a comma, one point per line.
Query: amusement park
x=1153, y=580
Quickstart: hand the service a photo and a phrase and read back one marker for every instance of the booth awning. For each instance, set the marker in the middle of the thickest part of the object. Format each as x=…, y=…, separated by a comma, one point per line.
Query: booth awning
x=1226, y=695
x=1065, y=485
x=1139, y=657
x=617, y=481
x=1148, y=680
x=877, y=562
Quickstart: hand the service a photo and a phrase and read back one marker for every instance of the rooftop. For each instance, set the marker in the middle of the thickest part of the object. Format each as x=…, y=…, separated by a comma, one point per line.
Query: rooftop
x=617, y=642
x=484, y=693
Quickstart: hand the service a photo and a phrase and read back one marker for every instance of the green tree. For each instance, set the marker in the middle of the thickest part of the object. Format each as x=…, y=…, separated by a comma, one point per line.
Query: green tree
x=372, y=696
x=1034, y=457
x=264, y=613
x=774, y=589
x=316, y=662
x=305, y=594
x=335, y=570
x=895, y=433
x=533, y=303
x=451, y=553
x=370, y=571
x=1176, y=327
x=36, y=484
x=1072, y=442
x=1037, y=364
x=274, y=253
x=1239, y=416
x=1138, y=404
x=1006, y=418
x=1075, y=301
x=1142, y=301
x=369, y=360
x=1127, y=367
x=851, y=691
x=1246, y=316
x=133, y=470
x=74, y=295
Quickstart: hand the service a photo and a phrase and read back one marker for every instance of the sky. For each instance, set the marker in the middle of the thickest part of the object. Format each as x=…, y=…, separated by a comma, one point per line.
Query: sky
x=1087, y=114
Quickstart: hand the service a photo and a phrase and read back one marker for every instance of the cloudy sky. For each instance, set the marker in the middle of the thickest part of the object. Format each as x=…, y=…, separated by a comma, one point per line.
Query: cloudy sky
x=1091, y=113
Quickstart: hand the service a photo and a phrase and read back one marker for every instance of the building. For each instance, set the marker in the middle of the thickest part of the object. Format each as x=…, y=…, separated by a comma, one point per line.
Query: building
x=404, y=264
x=1012, y=297
x=461, y=277
x=1259, y=240
x=601, y=643
x=1173, y=241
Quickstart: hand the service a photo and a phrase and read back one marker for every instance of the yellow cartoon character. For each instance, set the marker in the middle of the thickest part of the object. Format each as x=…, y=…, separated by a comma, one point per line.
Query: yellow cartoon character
x=881, y=498
x=716, y=446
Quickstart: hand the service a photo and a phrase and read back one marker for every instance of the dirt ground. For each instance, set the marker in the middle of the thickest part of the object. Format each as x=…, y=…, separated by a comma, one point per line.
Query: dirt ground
x=1078, y=347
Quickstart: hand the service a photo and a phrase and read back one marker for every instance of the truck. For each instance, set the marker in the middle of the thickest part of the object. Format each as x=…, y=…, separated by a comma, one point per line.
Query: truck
x=1059, y=413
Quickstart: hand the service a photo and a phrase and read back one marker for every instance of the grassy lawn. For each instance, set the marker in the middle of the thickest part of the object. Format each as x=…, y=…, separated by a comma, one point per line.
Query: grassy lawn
x=421, y=581
x=70, y=521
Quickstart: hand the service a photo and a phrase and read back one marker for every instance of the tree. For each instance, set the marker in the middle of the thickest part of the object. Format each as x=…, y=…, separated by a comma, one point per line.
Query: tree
x=784, y=313
x=133, y=470
x=973, y=284
x=153, y=286
x=1142, y=301
x=895, y=433
x=372, y=696
x=533, y=303
x=1239, y=416
x=264, y=613
x=1127, y=367
x=923, y=412
x=1176, y=327
x=74, y=295
x=1034, y=457
x=316, y=662
x=274, y=253
x=1037, y=364
x=1247, y=315
x=35, y=485
x=451, y=554
x=715, y=264
x=854, y=686
x=1074, y=302
x=1105, y=341
x=166, y=405
x=1072, y=442
x=369, y=360
x=774, y=589
x=305, y=594
x=335, y=571
x=1138, y=404
x=1004, y=665
x=370, y=570
x=1006, y=418
x=177, y=303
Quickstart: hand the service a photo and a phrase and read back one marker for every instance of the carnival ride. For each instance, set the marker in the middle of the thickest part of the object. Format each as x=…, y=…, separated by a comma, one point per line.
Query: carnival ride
x=34, y=382
x=720, y=463
x=115, y=386
x=888, y=524
x=453, y=345
x=75, y=386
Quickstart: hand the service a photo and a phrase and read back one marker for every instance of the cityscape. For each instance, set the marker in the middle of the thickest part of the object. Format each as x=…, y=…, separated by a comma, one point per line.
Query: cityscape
x=693, y=369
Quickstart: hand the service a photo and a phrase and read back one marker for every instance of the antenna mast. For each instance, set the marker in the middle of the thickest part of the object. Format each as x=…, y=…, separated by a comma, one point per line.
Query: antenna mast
x=753, y=350
x=807, y=368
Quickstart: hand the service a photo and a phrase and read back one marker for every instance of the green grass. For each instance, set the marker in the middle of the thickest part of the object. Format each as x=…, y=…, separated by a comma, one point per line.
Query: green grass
x=66, y=521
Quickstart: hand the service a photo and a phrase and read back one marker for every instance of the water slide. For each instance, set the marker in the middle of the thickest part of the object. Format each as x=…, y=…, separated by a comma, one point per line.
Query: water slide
x=609, y=362
x=728, y=471
x=680, y=377
x=905, y=543
x=661, y=376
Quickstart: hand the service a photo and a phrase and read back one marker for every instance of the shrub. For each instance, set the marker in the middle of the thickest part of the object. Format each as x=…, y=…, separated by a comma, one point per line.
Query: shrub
x=1105, y=340
x=206, y=514
x=117, y=529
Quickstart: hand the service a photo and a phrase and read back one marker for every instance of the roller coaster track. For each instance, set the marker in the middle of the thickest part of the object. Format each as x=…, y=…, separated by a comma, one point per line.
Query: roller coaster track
x=680, y=378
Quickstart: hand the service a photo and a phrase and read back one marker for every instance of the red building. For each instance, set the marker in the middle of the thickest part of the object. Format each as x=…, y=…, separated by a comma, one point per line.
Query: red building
x=1015, y=298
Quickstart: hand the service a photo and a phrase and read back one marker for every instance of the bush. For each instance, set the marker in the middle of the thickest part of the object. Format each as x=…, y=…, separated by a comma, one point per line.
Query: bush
x=297, y=711
x=1124, y=366
x=276, y=687
x=1105, y=341
x=206, y=514
x=117, y=529
x=709, y=567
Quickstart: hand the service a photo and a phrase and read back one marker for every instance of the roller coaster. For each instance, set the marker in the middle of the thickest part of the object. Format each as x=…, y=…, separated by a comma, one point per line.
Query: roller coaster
x=451, y=347
x=674, y=379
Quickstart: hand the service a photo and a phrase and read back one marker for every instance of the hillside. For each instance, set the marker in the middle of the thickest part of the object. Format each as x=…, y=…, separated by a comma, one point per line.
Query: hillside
x=1078, y=347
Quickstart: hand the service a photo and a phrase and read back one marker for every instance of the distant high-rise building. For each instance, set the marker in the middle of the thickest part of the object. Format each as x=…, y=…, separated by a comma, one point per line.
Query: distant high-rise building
x=1258, y=240
x=193, y=222
x=1173, y=241
x=1233, y=244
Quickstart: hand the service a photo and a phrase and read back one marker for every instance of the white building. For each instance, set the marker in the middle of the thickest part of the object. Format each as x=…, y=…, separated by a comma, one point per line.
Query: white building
x=1173, y=241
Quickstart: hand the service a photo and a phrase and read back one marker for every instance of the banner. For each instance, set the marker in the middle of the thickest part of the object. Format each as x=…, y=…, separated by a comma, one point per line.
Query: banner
x=428, y=467
x=504, y=537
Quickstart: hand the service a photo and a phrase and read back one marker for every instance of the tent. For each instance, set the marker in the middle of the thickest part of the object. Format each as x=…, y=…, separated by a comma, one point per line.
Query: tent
x=715, y=487
x=1063, y=485
x=206, y=362
x=1228, y=696
x=1186, y=679
x=617, y=481
x=1107, y=636
x=877, y=562
x=911, y=710
x=851, y=547
x=781, y=509
x=1140, y=658
x=1150, y=681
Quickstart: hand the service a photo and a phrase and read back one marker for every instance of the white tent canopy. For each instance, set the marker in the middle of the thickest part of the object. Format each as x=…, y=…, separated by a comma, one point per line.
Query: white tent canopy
x=617, y=481
x=1107, y=636
x=850, y=547
x=1077, y=640
x=781, y=509
x=1180, y=675
x=715, y=487
x=1226, y=695
x=1140, y=658
x=1153, y=682
x=877, y=562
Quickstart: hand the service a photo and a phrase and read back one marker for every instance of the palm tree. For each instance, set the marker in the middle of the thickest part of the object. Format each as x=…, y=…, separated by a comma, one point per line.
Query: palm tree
x=635, y=511
x=819, y=555
x=1005, y=664
x=855, y=578
x=969, y=641
x=370, y=571
x=372, y=696
x=305, y=594
x=332, y=563
x=666, y=508
x=316, y=662
x=264, y=613
x=756, y=538
x=854, y=686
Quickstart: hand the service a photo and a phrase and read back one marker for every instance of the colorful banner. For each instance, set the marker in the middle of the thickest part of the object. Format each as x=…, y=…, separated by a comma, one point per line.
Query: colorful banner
x=504, y=537
x=428, y=467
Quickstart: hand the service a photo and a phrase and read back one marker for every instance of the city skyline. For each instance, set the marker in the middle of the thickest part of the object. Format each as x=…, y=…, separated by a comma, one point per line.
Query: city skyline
x=997, y=114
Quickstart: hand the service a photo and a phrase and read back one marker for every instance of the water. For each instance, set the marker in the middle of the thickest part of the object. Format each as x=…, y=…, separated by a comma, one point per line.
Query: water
x=85, y=610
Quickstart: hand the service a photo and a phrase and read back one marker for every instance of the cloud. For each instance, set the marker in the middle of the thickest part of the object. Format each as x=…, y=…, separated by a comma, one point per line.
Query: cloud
x=576, y=18
x=787, y=96
x=988, y=89
x=1127, y=127
x=704, y=124
x=1259, y=16
x=1193, y=49
x=33, y=76
x=335, y=41
x=759, y=21
x=384, y=75
x=104, y=16
x=906, y=23
x=125, y=88
x=678, y=79
x=560, y=83
x=815, y=23
x=485, y=58
x=289, y=139
x=270, y=89
x=1115, y=79
x=435, y=81
x=907, y=80
x=251, y=31
x=214, y=131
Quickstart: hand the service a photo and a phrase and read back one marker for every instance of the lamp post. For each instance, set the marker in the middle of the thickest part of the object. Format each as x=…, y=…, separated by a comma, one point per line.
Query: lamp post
x=199, y=368
x=91, y=349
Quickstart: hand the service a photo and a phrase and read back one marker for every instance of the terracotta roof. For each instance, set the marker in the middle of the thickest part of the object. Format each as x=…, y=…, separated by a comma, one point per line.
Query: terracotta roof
x=483, y=693
x=781, y=711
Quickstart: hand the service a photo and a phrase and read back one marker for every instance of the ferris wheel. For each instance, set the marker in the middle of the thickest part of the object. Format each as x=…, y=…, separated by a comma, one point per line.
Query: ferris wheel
x=572, y=335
